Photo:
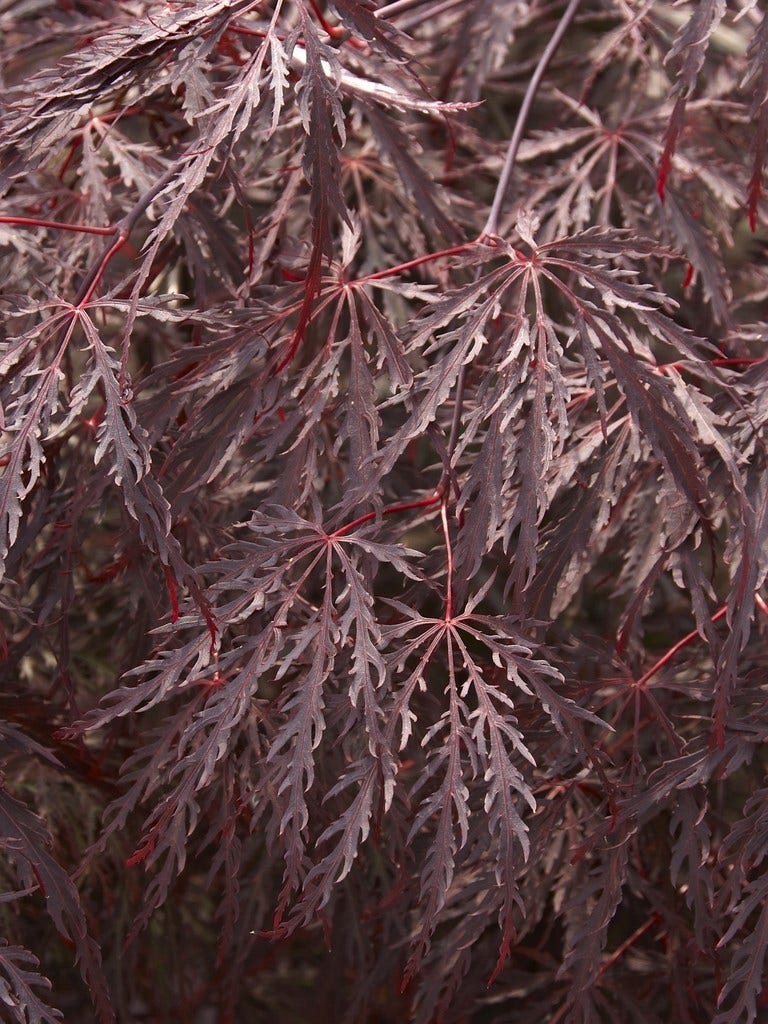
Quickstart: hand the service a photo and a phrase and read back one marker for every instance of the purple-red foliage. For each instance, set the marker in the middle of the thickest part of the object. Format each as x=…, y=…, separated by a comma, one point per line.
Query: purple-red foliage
x=384, y=511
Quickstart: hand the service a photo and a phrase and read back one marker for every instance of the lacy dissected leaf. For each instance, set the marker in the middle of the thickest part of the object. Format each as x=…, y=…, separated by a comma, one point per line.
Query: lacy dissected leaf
x=748, y=578
x=738, y=1000
x=757, y=79
x=478, y=43
x=607, y=174
x=359, y=16
x=30, y=399
x=384, y=607
x=692, y=846
x=479, y=740
x=592, y=905
x=322, y=118
x=359, y=425
x=687, y=55
x=13, y=740
x=26, y=840
x=19, y=977
x=127, y=53
x=392, y=139
x=740, y=997
x=532, y=369
x=581, y=523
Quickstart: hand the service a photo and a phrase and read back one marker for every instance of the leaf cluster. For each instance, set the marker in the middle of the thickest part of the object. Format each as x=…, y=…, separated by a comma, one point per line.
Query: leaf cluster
x=383, y=511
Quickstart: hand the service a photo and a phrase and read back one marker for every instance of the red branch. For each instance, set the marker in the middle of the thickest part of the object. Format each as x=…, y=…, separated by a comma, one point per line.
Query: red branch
x=405, y=506
x=669, y=655
x=36, y=222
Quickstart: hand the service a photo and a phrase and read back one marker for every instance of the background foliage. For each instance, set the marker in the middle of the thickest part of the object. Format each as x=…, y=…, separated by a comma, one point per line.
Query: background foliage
x=383, y=511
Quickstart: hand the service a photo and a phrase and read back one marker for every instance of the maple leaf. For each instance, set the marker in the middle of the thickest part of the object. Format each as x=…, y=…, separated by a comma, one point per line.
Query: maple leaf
x=383, y=508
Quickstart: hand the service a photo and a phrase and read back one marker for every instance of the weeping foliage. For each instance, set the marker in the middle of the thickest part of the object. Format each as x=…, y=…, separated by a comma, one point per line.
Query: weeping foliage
x=383, y=511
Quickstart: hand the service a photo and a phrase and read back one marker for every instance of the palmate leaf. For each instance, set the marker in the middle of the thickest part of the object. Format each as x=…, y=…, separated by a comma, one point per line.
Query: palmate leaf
x=215, y=714
x=483, y=326
x=404, y=579
x=607, y=174
x=296, y=647
x=480, y=741
x=89, y=74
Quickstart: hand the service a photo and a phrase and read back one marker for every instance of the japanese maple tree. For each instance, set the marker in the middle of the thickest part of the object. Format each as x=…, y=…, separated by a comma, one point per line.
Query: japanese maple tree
x=384, y=511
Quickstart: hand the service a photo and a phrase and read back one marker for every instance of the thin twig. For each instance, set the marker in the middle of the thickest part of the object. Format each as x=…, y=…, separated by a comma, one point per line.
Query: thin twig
x=120, y=235
x=404, y=506
x=57, y=225
x=448, y=558
x=669, y=655
x=408, y=23
x=492, y=224
x=390, y=10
